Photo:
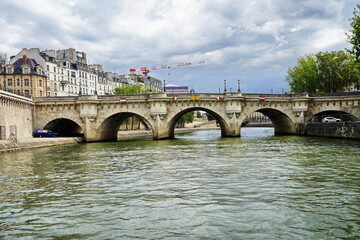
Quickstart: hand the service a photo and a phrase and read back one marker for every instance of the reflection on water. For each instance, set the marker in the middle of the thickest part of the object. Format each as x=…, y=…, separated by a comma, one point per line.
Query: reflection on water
x=197, y=186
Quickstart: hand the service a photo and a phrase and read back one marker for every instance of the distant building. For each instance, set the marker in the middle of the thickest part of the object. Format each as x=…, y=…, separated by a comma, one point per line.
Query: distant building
x=170, y=88
x=24, y=77
x=67, y=73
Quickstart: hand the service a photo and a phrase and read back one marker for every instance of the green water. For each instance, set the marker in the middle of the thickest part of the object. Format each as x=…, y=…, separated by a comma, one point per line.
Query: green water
x=198, y=186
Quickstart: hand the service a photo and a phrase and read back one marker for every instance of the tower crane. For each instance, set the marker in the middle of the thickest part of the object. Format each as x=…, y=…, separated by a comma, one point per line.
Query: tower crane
x=146, y=70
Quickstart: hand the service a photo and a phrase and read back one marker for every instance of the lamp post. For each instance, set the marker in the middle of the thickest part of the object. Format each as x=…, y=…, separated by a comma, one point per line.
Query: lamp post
x=225, y=86
x=150, y=85
x=239, y=86
x=164, y=86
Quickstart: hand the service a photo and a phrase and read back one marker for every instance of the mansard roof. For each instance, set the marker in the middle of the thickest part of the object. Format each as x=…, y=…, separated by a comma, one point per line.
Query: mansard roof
x=18, y=66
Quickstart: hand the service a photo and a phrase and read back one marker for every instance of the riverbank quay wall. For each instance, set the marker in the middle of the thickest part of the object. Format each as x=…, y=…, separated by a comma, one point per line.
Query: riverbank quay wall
x=99, y=117
x=16, y=118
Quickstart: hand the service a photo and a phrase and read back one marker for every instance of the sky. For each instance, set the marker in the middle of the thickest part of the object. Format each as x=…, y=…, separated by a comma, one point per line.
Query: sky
x=254, y=41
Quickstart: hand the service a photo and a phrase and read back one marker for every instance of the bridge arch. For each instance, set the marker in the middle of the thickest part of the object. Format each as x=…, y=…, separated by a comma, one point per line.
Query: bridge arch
x=282, y=122
x=172, y=122
x=108, y=128
x=342, y=115
x=65, y=127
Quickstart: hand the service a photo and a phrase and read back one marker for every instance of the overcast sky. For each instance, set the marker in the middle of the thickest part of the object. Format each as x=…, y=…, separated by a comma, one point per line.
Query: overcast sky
x=255, y=41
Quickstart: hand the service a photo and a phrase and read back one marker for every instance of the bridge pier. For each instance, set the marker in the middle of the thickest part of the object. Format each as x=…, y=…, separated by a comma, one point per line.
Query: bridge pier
x=232, y=126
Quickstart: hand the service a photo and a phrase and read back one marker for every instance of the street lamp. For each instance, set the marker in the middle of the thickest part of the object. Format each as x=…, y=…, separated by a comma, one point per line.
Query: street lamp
x=239, y=86
x=225, y=86
x=164, y=86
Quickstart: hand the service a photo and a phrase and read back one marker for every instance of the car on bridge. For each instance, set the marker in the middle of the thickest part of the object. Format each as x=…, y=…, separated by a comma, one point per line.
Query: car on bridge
x=330, y=120
x=45, y=133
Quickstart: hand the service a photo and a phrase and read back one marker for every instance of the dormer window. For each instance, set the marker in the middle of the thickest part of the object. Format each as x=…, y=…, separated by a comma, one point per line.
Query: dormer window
x=26, y=70
x=9, y=70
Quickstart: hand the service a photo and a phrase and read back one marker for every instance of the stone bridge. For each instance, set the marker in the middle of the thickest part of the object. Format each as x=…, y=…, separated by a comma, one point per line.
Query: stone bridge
x=98, y=117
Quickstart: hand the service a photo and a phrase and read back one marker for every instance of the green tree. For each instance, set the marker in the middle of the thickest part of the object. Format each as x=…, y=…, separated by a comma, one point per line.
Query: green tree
x=353, y=38
x=134, y=89
x=186, y=118
x=304, y=77
x=336, y=70
x=323, y=72
x=354, y=35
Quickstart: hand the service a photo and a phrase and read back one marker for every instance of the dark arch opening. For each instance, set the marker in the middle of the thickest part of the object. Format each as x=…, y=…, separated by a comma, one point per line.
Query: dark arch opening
x=215, y=119
x=340, y=115
x=276, y=119
x=109, y=129
x=65, y=128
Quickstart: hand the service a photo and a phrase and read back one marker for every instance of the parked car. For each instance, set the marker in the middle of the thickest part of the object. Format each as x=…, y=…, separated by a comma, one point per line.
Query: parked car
x=45, y=133
x=330, y=120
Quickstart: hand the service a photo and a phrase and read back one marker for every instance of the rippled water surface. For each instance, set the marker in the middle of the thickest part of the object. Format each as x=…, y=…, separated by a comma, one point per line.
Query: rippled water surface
x=198, y=186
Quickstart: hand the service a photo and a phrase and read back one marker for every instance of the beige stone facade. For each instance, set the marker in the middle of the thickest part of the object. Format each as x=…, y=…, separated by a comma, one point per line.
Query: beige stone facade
x=25, y=79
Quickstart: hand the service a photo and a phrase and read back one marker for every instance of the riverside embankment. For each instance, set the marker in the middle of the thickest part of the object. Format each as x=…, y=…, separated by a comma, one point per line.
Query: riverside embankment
x=27, y=143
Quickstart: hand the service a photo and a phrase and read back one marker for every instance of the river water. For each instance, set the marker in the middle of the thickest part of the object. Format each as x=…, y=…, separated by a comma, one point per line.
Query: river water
x=198, y=186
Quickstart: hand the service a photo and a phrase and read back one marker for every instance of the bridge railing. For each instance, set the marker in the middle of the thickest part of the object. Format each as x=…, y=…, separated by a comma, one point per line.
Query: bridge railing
x=343, y=94
x=189, y=95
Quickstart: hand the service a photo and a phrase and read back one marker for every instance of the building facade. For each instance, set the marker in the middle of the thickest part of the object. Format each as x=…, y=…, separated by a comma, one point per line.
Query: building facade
x=67, y=73
x=24, y=77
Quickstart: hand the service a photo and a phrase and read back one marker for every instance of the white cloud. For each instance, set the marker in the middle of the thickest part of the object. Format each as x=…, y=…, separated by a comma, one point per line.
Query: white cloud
x=254, y=37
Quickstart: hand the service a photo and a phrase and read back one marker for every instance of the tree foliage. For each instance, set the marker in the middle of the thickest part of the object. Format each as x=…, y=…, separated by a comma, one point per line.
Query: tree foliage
x=323, y=72
x=186, y=118
x=354, y=34
x=134, y=89
x=304, y=77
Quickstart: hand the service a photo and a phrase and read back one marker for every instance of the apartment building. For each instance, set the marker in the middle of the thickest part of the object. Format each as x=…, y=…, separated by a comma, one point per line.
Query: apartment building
x=24, y=77
x=67, y=73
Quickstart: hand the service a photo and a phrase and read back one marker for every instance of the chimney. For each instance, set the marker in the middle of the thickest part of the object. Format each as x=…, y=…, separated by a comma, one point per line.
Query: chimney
x=24, y=50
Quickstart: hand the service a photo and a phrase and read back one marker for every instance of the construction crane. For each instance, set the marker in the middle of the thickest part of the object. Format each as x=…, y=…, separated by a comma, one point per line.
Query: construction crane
x=146, y=70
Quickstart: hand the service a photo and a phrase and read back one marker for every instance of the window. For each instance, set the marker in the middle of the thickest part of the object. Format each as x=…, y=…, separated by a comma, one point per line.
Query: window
x=73, y=74
x=26, y=71
x=40, y=93
x=26, y=82
x=9, y=70
x=47, y=67
x=9, y=83
x=27, y=93
x=18, y=82
x=54, y=69
x=40, y=83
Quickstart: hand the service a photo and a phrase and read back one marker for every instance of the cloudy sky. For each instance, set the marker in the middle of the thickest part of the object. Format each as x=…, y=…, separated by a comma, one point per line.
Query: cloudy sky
x=254, y=41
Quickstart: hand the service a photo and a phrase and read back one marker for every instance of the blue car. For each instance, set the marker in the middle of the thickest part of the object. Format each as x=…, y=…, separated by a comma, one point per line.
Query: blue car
x=45, y=133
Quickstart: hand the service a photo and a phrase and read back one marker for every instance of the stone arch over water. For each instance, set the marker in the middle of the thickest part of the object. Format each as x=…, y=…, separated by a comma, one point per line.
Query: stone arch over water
x=224, y=126
x=108, y=129
x=282, y=122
